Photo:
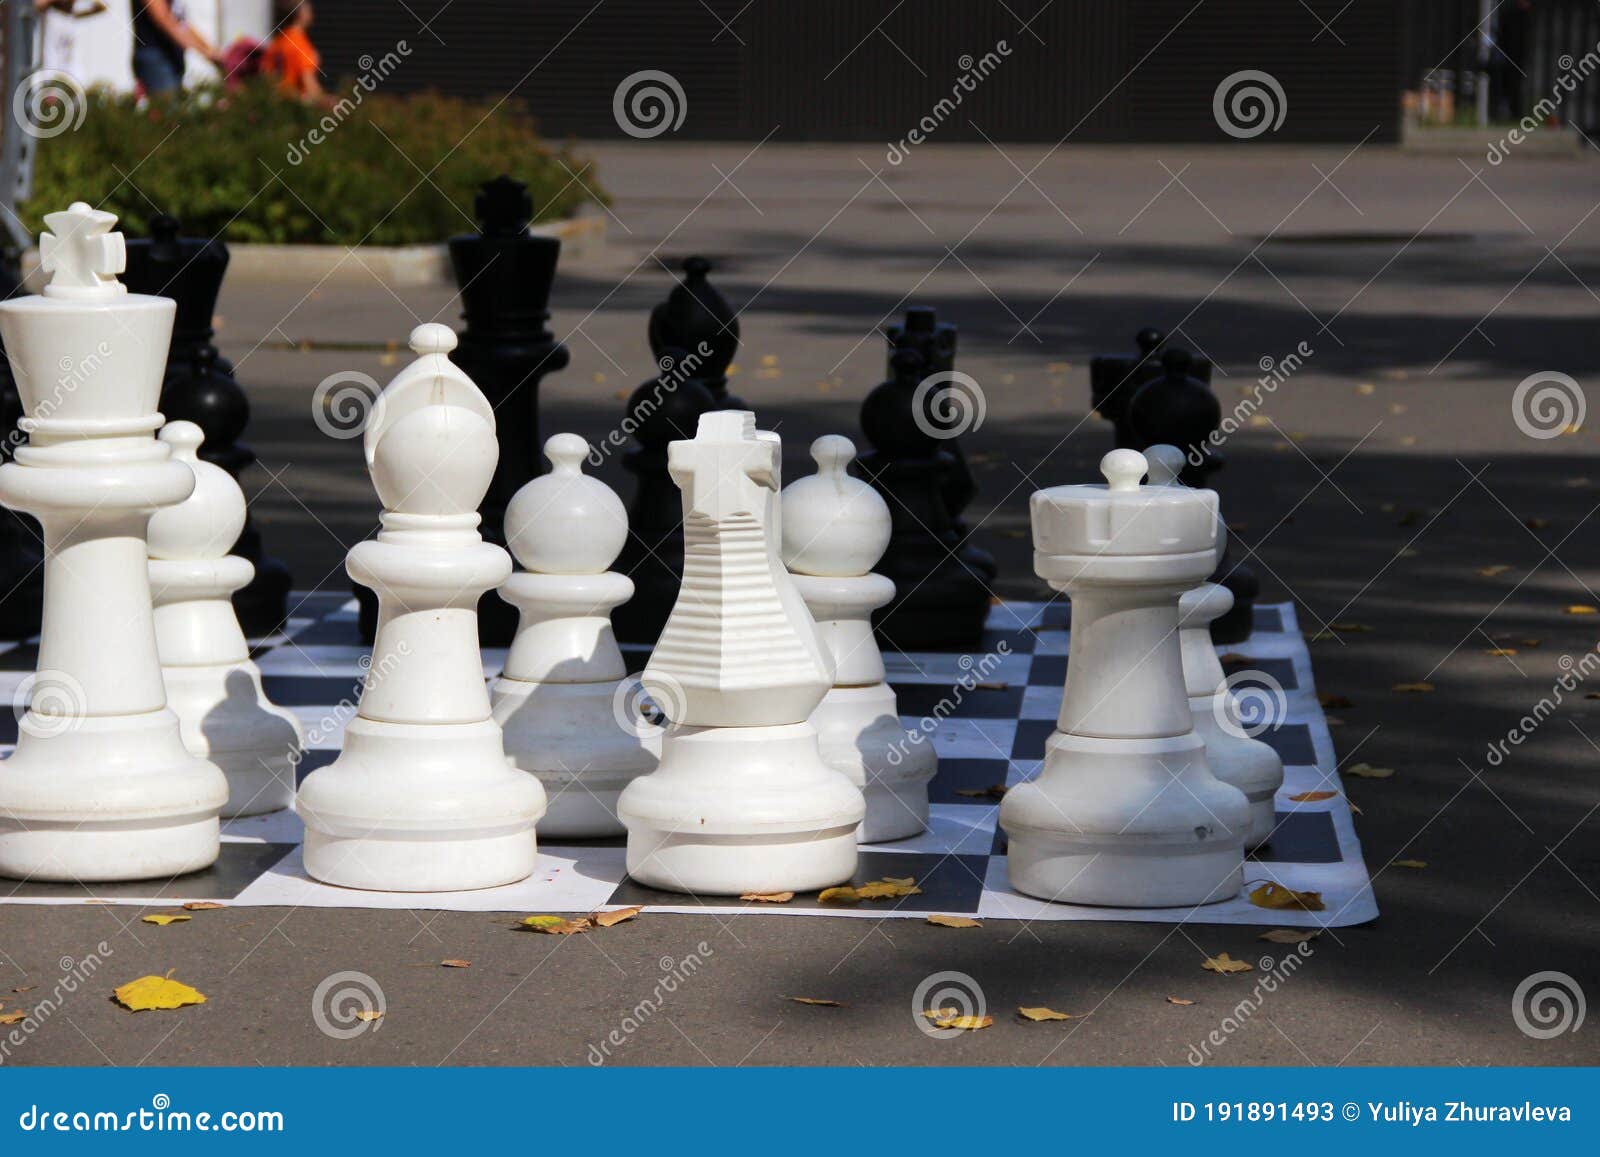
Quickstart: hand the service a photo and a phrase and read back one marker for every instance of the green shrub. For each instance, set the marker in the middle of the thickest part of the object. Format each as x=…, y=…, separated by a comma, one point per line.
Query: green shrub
x=246, y=165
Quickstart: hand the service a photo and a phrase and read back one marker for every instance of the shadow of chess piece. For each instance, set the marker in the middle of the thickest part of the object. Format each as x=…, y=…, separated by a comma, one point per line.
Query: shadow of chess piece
x=1179, y=409
x=950, y=407
x=21, y=542
x=697, y=320
x=940, y=603
x=199, y=387
x=664, y=409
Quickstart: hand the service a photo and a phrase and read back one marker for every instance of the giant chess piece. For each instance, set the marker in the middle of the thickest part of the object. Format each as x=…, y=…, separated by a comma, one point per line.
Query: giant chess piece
x=21, y=545
x=940, y=602
x=559, y=698
x=200, y=387
x=698, y=326
x=100, y=787
x=742, y=800
x=835, y=528
x=211, y=683
x=1113, y=379
x=1125, y=811
x=662, y=410
x=423, y=798
x=1233, y=753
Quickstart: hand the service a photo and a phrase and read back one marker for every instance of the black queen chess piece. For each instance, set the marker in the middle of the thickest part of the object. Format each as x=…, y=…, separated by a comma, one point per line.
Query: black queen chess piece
x=940, y=603
x=698, y=320
x=200, y=387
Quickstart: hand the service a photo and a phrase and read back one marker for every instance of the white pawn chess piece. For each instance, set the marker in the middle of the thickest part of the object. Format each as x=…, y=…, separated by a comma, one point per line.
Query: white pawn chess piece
x=1234, y=755
x=100, y=786
x=1125, y=811
x=205, y=661
x=835, y=528
x=742, y=800
x=422, y=798
x=560, y=697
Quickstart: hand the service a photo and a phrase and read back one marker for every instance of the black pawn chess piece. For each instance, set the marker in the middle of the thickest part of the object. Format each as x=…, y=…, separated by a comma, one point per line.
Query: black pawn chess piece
x=1113, y=378
x=697, y=320
x=940, y=603
x=199, y=387
x=21, y=544
x=665, y=409
x=935, y=341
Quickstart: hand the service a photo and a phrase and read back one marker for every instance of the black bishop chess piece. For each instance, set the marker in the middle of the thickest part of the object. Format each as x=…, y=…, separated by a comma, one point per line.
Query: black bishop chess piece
x=941, y=602
x=701, y=323
x=200, y=387
x=664, y=409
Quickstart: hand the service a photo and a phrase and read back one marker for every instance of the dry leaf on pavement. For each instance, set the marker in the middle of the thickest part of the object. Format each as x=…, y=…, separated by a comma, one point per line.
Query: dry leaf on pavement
x=153, y=992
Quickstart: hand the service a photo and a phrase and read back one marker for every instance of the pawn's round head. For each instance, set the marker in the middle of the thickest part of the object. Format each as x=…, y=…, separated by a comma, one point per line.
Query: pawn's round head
x=566, y=522
x=1123, y=469
x=207, y=523
x=833, y=524
x=432, y=338
x=1166, y=464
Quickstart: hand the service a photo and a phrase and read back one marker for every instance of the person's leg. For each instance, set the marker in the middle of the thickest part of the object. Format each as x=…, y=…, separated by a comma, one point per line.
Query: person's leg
x=154, y=69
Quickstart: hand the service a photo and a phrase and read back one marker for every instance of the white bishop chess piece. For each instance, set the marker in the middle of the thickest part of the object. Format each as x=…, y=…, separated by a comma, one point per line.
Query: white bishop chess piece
x=558, y=699
x=211, y=683
x=1125, y=811
x=422, y=798
x=101, y=786
x=1234, y=755
x=835, y=528
x=742, y=800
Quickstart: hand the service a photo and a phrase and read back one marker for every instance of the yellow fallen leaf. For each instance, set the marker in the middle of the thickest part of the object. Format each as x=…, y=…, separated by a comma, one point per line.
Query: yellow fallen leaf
x=1416, y=865
x=1366, y=388
x=1041, y=1013
x=1312, y=796
x=202, y=906
x=152, y=992
x=455, y=964
x=1581, y=609
x=768, y=897
x=820, y=1002
x=1178, y=1000
x=965, y=1023
x=13, y=1017
x=1413, y=688
x=953, y=921
x=555, y=925
x=368, y=1014
x=843, y=894
x=1367, y=771
x=25, y=988
x=162, y=919
x=1351, y=628
x=617, y=916
x=1222, y=962
x=1500, y=652
x=886, y=890
x=1491, y=571
x=1272, y=895
x=901, y=881
x=1289, y=935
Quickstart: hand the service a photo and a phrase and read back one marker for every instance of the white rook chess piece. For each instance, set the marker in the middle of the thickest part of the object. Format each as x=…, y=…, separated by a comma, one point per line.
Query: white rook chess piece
x=211, y=683
x=1233, y=754
x=559, y=699
x=742, y=800
x=101, y=786
x=835, y=529
x=423, y=798
x=1125, y=811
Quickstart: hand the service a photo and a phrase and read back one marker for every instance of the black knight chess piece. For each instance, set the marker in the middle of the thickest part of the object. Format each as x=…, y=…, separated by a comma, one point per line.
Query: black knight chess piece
x=940, y=603
x=697, y=320
x=200, y=387
x=664, y=409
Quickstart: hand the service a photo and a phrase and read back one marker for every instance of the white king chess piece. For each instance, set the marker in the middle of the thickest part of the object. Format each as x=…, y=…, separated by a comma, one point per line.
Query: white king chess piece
x=561, y=696
x=1233, y=753
x=742, y=800
x=835, y=528
x=1125, y=811
x=211, y=683
x=422, y=798
x=101, y=786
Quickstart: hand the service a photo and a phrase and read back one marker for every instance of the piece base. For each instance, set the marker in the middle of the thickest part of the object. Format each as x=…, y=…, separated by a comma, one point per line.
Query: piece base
x=106, y=853
x=1156, y=877
x=409, y=863
x=704, y=865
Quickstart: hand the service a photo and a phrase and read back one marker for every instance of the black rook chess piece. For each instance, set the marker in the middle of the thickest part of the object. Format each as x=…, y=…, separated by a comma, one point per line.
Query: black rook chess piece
x=698, y=321
x=199, y=387
x=665, y=409
x=940, y=603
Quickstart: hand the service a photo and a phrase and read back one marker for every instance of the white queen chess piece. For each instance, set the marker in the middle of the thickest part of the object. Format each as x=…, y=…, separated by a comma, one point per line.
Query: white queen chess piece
x=1234, y=755
x=742, y=800
x=205, y=661
x=559, y=699
x=100, y=786
x=422, y=798
x=835, y=528
x=1125, y=811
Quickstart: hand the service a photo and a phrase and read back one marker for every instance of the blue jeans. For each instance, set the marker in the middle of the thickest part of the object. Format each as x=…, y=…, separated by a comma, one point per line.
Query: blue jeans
x=156, y=69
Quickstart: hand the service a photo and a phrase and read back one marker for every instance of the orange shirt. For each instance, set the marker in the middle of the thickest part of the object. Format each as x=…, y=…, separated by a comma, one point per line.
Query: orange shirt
x=291, y=57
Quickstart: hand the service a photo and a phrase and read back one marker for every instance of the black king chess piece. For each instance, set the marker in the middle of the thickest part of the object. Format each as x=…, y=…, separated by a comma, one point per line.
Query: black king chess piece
x=199, y=387
x=698, y=321
x=941, y=602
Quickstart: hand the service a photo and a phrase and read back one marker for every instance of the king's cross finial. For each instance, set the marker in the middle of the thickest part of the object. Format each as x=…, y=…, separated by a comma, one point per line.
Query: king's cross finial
x=81, y=253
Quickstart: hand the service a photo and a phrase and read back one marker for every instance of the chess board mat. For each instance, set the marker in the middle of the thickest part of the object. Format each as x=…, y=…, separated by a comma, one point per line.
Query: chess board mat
x=1002, y=701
